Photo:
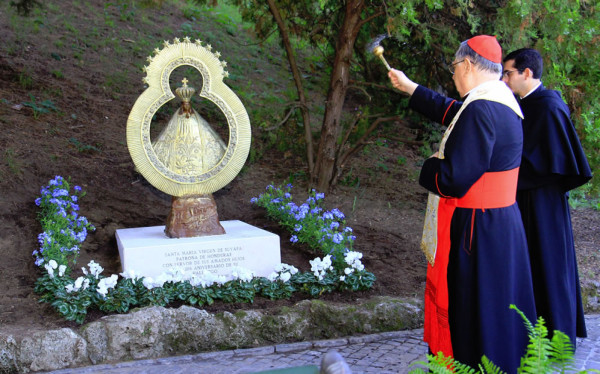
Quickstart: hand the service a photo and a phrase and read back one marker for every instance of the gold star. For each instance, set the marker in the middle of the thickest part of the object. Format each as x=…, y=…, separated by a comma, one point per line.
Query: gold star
x=209, y=47
x=145, y=69
x=187, y=39
x=225, y=74
x=198, y=41
x=176, y=41
x=223, y=63
x=145, y=80
x=218, y=54
x=166, y=43
x=156, y=51
x=149, y=59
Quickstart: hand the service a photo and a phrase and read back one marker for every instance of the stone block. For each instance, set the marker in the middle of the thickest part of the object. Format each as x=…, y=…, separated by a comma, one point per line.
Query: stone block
x=149, y=252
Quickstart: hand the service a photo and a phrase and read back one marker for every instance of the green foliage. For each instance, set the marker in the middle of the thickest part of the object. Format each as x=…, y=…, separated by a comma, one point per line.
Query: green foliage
x=543, y=355
x=11, y=161
x=566, y=34
x=40, y=107
x=83, y=148
x=64, y=230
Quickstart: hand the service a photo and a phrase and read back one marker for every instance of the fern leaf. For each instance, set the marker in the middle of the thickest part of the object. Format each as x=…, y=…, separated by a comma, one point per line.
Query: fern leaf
x=561, y=352
x=488, y=367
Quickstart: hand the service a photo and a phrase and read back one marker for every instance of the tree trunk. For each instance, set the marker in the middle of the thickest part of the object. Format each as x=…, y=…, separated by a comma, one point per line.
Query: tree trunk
x=325, y=164
x=297, y=79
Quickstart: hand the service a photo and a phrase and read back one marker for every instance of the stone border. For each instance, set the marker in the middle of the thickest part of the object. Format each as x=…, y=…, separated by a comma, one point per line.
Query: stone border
x=155, y=332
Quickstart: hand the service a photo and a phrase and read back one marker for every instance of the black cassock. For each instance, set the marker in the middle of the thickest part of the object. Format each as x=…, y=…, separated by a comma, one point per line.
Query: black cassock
x=489, y=264
x=553, y=163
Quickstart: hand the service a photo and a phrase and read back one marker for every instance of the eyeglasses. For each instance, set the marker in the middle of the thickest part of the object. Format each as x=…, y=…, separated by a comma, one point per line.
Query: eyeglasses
x=452, y=66
x=507, y=73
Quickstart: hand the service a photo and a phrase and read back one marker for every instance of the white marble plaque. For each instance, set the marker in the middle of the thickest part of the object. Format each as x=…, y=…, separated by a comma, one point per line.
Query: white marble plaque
x=149, y=252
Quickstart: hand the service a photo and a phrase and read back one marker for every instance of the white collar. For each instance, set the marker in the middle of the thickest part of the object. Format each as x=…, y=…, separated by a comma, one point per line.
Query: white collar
x=533, y=89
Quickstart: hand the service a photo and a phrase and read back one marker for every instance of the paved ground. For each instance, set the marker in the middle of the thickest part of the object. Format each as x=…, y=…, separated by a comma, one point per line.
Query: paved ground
x=391, y=352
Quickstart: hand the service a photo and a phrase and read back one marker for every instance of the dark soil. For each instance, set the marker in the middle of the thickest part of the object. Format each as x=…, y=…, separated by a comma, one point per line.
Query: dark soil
x=85, y=140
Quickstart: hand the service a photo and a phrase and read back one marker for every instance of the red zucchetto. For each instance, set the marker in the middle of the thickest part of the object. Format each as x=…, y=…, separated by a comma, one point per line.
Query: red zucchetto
x=487, y=47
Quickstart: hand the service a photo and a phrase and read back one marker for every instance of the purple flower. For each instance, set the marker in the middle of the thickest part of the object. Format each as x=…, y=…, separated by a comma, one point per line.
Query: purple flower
x=294, y=239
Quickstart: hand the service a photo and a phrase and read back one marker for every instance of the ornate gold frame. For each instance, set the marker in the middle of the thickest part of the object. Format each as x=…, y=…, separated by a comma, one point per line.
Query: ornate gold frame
x=160, y=67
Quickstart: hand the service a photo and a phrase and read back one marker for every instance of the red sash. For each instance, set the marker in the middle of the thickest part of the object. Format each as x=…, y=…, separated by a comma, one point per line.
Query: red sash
x=492, y=190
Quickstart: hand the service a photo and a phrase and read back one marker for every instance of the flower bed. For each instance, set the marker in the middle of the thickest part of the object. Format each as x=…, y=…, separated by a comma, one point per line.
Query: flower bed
x=64, y=230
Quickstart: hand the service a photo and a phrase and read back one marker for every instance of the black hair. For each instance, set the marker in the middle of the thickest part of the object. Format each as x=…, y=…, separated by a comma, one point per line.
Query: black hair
x=527, y=58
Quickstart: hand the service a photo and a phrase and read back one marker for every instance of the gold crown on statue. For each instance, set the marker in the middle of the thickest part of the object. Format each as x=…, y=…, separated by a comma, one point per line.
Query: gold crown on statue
x=185, y=92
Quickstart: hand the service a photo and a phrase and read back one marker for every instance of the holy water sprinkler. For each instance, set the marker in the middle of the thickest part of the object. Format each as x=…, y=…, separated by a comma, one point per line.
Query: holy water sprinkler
x=378, y=51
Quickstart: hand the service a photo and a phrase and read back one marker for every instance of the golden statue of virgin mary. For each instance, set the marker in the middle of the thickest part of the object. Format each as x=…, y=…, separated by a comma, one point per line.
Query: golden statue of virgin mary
x=188, y=160
x=188, y=145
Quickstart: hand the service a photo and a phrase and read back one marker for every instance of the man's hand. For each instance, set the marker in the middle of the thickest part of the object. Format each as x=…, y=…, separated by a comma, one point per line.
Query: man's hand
x=401, y=82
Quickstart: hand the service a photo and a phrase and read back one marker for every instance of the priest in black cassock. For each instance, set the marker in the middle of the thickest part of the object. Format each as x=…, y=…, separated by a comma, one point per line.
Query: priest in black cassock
x=553, y=163
x=473, y=235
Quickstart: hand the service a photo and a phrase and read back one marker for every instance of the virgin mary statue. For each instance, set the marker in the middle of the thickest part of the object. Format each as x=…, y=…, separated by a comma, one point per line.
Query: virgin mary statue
x=188, y=145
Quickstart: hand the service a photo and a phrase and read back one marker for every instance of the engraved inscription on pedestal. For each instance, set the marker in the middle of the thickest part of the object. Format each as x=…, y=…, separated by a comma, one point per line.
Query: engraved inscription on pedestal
x=195, y=261
x=147, y=251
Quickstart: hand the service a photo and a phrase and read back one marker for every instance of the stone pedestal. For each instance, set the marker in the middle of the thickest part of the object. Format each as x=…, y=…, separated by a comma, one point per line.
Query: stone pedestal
x=191, y=216
x=149, y=252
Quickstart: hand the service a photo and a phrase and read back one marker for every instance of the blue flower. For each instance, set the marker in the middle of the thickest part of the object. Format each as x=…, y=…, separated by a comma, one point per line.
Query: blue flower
x=348, y=229
x=338, y=238
x=287, y=195
x=320, y=196
x=294, y=239
x=60, y=192
x=300, y=216
x=334, y=225
x=77, y=188
x=298, y=227
x=327, y=215
x=338, y=214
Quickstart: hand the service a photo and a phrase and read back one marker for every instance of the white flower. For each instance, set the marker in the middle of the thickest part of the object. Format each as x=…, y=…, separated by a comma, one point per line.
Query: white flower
x=343, y=278
x=102, y=289
x=53, y=264
x=242, y=274
x=69, y=288
x=285, y=276
x=347, y=271
x=50, y=270
x=84, y=270
x=61, y=270
x=273, y=276
x=130, y=274
x=148, y=282
x=78, y=283
x=95, y=269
